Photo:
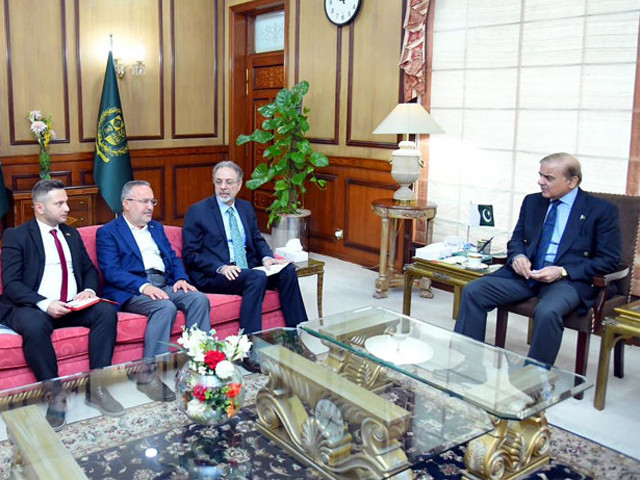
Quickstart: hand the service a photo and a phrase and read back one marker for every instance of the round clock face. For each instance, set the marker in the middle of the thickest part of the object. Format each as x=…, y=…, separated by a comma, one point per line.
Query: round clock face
x=341, y=12
x=329, y=417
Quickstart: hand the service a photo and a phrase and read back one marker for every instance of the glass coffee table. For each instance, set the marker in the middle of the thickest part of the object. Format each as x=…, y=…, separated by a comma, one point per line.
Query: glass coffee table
x=351, y=417
x=401, y=423
x=513, y=389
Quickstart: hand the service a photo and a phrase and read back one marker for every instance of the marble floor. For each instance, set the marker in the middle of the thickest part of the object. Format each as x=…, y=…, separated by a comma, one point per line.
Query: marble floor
x=348, y=286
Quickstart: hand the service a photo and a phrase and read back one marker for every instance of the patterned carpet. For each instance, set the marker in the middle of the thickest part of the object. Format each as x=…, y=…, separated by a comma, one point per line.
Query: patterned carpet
x=149, y=443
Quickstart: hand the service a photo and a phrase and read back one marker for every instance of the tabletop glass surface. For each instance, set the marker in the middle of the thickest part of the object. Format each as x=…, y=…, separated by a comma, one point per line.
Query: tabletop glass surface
x=502, y=383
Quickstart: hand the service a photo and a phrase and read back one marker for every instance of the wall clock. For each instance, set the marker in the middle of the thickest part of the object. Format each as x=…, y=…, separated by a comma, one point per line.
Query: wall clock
x=341, y=12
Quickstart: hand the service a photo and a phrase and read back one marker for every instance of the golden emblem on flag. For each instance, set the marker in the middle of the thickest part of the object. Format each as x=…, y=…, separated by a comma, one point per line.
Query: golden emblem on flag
x=111, y=135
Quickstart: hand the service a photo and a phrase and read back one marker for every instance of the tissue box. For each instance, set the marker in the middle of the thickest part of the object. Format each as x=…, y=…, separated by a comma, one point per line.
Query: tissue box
x=294, y=256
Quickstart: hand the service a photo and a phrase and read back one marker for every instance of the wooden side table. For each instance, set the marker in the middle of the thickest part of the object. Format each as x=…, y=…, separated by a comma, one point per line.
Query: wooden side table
x=393, y=213
x=625, y=325
x=82, y=206
x=443, y=272
x=313, y=267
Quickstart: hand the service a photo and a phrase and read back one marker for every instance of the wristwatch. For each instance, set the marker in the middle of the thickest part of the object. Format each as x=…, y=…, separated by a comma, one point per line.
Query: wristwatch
x=564, y=273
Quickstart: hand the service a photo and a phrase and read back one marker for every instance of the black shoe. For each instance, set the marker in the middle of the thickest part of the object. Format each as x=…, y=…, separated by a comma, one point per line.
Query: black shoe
x=57, y=410
x=156, y=390
x=100, y=398
x=251, y=363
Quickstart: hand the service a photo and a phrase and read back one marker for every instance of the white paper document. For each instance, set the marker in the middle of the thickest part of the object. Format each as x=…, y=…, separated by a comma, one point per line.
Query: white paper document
x=273, y=269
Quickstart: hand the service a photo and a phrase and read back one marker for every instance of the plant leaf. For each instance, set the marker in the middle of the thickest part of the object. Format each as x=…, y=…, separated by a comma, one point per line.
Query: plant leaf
x=319, y=159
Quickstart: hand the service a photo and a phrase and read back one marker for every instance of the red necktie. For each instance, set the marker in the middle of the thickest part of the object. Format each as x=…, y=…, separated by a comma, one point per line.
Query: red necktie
x=63, y=265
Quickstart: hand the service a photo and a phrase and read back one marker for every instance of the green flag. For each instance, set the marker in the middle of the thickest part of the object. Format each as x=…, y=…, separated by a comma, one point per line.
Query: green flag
x=4, y=197
x=112, y=164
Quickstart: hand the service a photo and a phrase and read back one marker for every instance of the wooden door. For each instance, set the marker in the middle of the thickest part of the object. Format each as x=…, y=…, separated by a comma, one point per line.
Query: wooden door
x=265, y=78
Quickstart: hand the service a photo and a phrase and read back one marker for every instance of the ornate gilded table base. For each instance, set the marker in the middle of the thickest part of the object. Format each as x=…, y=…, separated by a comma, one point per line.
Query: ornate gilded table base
x=309, y=409
x=513, y=449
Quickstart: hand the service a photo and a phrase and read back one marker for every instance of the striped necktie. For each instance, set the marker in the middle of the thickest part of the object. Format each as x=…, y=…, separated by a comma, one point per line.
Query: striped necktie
x=236, y=240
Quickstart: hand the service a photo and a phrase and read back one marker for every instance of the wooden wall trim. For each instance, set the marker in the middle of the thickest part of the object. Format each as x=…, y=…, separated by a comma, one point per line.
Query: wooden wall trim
x=216, y=88
x=81, y=133
x=364, y=163
x=65, y=82
x=350, y=141
x=335, y=140
x=633, y=168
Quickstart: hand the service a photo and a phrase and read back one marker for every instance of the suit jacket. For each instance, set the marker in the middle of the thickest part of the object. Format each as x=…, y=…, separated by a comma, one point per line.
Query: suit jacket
x=591, y=242
x=121, y=261
x=204, y=239
x=23, y=265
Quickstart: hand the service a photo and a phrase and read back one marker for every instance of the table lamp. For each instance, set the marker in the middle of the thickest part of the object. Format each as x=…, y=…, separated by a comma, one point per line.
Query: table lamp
x=406, y=119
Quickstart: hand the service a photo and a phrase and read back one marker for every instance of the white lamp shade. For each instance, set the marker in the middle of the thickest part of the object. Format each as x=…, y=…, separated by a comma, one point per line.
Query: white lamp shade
x=407, y=118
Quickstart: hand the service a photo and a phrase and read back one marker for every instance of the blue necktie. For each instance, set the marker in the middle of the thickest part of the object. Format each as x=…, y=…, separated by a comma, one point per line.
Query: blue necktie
x=545, y=236
x=236, y=239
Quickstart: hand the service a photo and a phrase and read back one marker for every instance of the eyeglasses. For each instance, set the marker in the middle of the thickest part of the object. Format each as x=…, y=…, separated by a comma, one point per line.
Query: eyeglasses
x=228, y=182
x=143, y=201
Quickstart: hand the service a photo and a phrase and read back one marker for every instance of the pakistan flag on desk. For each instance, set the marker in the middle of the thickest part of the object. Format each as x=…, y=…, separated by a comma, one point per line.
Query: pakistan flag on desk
x=112, y=164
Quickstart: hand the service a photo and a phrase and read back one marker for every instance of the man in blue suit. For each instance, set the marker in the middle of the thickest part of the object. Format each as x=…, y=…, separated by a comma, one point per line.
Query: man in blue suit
x=222, y=244
x=563, y=237
x=144, y=275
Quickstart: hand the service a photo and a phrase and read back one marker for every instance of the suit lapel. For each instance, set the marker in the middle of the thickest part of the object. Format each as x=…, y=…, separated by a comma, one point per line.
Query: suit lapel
x=36, y=238
x=217, y=215
x=538, y=215
x=578, y=215
x=125, y=233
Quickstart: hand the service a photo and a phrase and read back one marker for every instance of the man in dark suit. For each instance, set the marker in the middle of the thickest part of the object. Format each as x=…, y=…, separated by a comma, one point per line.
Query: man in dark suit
x=144, y=275
x=221, y=246
x=563, y=237
x=44, y=266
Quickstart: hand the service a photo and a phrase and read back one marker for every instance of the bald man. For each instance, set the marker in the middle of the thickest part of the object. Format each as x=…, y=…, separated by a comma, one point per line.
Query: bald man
x=563, y=237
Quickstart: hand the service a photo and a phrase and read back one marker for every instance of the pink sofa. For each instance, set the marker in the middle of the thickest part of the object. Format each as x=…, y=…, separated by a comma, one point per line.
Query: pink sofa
x=71, y=344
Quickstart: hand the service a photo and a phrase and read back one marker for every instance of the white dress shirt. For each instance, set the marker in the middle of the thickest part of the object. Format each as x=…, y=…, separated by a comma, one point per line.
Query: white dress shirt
x=52, y=276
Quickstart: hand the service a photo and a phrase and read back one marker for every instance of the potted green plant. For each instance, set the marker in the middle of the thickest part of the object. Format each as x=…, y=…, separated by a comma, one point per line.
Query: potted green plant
x=291, y=161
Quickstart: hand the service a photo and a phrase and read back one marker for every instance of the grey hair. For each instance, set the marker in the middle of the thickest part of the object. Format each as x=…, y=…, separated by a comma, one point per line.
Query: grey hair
x=43, y=187
x=571, y=164
x=228, y=164
x=130, y=185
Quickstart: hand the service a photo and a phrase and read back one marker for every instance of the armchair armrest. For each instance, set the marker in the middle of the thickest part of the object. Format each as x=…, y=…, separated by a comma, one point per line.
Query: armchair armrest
x=602, y=282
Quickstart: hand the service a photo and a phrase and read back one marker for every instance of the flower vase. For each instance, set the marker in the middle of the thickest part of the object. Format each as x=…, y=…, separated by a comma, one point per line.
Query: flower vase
x=45, y=163
x=207, y=399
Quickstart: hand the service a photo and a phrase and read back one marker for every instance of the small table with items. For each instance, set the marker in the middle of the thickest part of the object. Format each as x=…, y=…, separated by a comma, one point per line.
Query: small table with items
x=452, y=274
x=393, y=213
x=625, y=325
x=371, y=345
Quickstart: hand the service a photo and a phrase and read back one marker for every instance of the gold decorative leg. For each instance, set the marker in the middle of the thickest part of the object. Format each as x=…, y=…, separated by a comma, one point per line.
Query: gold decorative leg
x=603, y=366
x=513, y=449
x=320, y=292
x=382, y=282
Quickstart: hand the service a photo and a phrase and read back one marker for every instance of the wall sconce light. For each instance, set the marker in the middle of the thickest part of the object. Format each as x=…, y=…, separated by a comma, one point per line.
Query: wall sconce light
x=135, y=68
x=407, y=118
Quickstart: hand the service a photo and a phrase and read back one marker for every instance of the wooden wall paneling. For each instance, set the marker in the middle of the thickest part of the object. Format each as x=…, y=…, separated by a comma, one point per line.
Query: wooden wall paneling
x=179, y=176
x=42, y=58
x=191, y=183
x=321, y=42
x=375, y=41
x=325, y=206
x=346, y=205
x=196, y=84
x=132, y=24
